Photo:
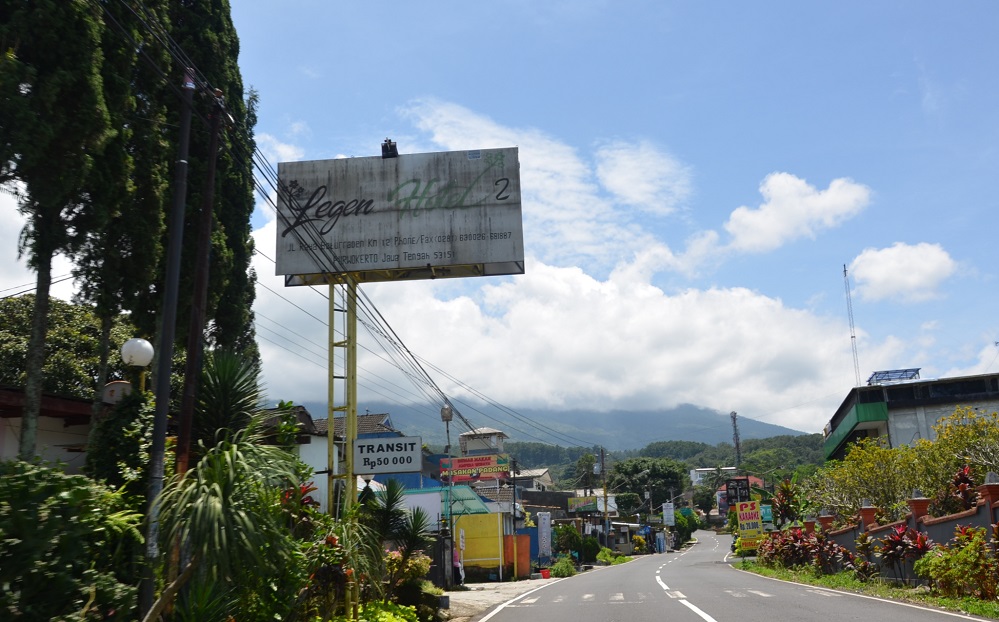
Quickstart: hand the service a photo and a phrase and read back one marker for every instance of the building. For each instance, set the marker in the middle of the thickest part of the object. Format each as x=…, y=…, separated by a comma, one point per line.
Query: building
x=899, y=406
x=62, y=433
x=482, y=442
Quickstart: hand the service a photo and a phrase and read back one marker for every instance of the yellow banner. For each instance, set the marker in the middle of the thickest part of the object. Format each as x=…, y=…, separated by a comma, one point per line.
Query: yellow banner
x=750, y=523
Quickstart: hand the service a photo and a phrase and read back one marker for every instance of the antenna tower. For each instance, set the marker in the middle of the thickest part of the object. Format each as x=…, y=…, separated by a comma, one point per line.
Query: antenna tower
x=853, y=331
x=735, y=439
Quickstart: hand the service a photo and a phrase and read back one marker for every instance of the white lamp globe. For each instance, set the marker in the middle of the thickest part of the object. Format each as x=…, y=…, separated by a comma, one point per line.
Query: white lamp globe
x=137, y=352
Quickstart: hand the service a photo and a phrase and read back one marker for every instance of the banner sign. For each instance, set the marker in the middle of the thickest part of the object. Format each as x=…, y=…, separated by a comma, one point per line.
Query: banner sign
x=475, y=468
x=750, y=524
x=402, y=454
x=544, y=534
x=669, y=516
x=583, y=504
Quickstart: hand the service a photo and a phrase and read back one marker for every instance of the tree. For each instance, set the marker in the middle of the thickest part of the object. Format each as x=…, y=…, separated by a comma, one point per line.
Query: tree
x=704, y=498
x=126, y=188
x=665, y=478
x=72, y=367
x=584, y=474
x=53, y=120
x=870, y=471
x=204, y=30
x=966, y=437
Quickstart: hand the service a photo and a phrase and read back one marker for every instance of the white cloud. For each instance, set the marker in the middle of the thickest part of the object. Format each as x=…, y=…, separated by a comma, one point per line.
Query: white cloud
x=278, y=151
x=586, y=327
x=641, y=175
x=569, y=219
x=15, y=276
x=902, y=272
x=793, y=209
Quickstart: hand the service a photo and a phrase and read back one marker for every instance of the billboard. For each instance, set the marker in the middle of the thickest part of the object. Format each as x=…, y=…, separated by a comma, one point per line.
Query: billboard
x=415, y=216
x=583, y=504
x=736, y=490
x=475, y=468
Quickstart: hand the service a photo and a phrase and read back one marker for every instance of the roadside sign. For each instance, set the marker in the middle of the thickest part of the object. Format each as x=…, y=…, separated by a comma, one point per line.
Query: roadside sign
x=750, y=524
x=401, y=454
x=669, y=517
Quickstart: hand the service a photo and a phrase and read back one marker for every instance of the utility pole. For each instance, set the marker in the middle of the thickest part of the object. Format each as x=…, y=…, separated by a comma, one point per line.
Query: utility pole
x=199, y=302
x=735, y=439
x=147, y=587
x=603, y=474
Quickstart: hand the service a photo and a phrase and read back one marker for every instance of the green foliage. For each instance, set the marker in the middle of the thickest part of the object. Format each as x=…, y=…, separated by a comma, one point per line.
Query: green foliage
x=589, y=549
x=73, y=363
x=794, y=547
x=67, y=548
x=118, y=451
x=563, y=567
x=966, y=438
x=967, y=566
x=663, y=476
x=886, y=476
x=900, y=545
x=566, y=539
x=611, y=558
x=638, y=542
x=228, y=510
x=788, y=503
x=684, y=527
x=704, y=498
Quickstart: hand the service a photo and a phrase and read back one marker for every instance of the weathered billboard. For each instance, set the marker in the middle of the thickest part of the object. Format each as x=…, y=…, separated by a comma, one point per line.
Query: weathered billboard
x=415, y=216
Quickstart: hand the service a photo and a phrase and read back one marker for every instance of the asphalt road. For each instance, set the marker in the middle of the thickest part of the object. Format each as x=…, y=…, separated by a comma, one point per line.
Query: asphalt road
x=699, y=584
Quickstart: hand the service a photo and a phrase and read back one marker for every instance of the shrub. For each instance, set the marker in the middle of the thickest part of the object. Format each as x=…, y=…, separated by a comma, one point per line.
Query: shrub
x=965, y=567
x=794, y=548
x=900, y=545
x=563, y=567
x=66, y=547
x=638, y=542
x=590, y=548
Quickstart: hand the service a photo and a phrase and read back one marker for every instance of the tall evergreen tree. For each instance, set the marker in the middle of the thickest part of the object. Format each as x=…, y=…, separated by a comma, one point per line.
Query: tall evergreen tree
x=126, y=187
x=53, y=120
x=204, y=30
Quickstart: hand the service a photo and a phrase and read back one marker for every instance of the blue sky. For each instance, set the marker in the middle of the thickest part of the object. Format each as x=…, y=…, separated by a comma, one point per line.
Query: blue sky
x=695, y=176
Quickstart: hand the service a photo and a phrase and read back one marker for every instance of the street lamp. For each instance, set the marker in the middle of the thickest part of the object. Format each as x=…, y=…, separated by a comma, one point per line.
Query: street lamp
x=137, y=352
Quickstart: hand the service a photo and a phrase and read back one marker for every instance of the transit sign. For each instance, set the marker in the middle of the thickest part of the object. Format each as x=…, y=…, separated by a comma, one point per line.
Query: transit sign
x=399, y=454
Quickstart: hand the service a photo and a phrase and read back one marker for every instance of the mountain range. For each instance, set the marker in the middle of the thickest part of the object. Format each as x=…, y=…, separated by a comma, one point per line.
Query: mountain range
x=617, y=430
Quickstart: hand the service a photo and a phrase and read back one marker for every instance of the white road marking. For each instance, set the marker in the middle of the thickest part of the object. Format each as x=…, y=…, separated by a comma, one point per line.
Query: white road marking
x=618, y=596
x=693, y=608
x=759, y=593
x=660, y=582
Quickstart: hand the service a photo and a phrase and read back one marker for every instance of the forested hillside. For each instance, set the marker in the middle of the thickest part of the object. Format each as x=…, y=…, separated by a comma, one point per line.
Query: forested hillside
x=778, y=456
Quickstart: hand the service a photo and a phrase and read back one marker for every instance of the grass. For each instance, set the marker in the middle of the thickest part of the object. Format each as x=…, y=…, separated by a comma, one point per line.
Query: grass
x=846, y=582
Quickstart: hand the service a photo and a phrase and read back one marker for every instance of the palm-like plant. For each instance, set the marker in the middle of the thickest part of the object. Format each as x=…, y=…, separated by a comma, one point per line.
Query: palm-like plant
x=226, y=509
x=229, y=396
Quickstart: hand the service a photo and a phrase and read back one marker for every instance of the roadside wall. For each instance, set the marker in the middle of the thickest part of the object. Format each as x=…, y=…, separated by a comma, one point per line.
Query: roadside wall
x=938, y=529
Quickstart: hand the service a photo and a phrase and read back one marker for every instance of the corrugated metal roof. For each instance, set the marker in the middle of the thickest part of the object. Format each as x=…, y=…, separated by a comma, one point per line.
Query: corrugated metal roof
x=463, y=500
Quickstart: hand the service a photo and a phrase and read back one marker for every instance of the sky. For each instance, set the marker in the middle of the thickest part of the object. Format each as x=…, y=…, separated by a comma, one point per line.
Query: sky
x=695, y=176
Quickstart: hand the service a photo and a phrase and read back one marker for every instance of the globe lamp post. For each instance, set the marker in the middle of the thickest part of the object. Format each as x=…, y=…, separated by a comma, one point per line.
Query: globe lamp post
x=138, y=352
